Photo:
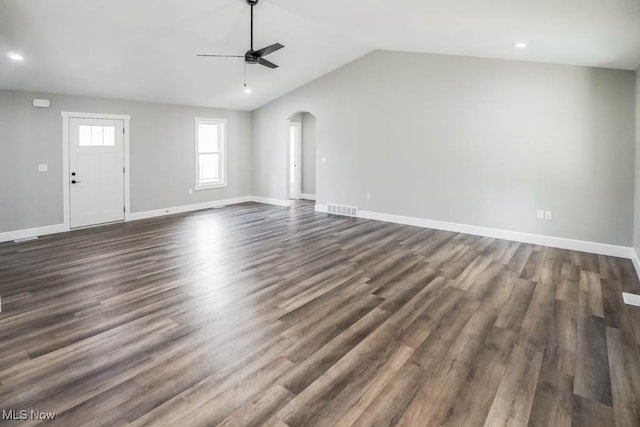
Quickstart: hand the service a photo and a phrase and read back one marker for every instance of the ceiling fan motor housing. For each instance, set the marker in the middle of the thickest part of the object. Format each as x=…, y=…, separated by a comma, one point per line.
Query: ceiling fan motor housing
x=250, y=57
x=252, y=2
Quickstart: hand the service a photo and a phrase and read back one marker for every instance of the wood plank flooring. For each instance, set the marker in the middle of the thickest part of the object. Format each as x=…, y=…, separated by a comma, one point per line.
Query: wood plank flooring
x=257, y=315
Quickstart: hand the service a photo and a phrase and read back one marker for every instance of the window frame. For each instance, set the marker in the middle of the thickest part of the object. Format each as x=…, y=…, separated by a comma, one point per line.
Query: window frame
x=222, y=153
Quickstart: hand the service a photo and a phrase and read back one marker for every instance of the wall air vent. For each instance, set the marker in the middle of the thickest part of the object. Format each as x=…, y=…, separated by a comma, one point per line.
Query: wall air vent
x=342, y=210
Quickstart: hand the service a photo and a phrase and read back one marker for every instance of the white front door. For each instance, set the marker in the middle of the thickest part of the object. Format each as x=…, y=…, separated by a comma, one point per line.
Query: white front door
x=295, y=160
x=96, y=171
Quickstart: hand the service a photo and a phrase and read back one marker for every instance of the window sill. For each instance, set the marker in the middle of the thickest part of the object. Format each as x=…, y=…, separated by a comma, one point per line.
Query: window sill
x=209, y=187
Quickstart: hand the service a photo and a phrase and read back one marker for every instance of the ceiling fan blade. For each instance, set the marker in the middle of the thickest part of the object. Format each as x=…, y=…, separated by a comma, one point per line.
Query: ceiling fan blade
x=267, y=50
x=224, y=56
x=266, y=63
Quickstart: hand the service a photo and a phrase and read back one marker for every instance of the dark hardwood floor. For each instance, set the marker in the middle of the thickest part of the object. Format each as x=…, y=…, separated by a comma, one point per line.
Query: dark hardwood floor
x=259, y=315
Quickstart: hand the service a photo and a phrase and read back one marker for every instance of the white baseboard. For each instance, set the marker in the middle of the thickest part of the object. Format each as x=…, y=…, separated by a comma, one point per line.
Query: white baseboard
x=537, y=239
x=135, y=216
x=635, y=260
x=32, y=232
x=206, y=205
x=307, y=196
x=267, y=201
x=517, y=236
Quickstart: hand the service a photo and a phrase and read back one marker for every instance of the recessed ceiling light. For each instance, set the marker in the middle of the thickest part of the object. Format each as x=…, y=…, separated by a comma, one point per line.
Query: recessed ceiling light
x=15, y=56
x=247, y=89
x=520, y=45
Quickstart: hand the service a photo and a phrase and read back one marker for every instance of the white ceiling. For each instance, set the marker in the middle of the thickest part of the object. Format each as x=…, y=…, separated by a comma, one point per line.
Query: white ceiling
x=145, y=49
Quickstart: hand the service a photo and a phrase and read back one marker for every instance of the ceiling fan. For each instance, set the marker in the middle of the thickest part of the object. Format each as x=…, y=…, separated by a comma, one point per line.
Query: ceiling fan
x=254, y=56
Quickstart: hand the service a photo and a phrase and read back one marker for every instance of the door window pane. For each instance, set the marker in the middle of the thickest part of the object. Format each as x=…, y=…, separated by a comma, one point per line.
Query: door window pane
x=97, y=136
x=109, y=136
x=85, y=136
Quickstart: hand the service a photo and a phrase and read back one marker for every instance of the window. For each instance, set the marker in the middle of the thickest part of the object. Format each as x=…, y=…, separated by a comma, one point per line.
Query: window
x=210, y=153
x=97, y=136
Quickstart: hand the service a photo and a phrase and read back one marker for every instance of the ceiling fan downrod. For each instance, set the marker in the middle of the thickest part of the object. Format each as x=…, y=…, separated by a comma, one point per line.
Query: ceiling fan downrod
x=252, y=3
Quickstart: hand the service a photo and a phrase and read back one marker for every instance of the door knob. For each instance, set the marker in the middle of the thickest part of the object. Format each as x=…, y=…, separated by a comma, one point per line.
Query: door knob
x=73, y=181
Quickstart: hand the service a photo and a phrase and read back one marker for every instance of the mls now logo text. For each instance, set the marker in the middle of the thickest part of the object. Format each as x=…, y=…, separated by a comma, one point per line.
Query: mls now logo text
x=23, y=414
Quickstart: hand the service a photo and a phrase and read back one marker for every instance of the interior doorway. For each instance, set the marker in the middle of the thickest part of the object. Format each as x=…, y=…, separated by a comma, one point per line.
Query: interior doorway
x=301, y=156
x=295, y=160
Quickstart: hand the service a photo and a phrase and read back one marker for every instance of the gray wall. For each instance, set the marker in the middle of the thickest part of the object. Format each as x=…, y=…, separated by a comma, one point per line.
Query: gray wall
x=308, y=153
x=636, y=226
x=161, y=162
x=467, y=140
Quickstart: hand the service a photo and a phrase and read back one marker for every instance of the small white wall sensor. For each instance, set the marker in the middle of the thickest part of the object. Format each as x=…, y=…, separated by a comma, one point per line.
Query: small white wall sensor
x=41, y=103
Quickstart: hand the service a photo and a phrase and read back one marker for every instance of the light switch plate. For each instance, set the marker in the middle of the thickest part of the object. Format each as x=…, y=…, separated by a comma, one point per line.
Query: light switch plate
x=43, y=167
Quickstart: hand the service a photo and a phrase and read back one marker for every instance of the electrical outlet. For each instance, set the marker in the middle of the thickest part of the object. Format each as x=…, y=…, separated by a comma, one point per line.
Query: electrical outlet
x=540, y=214
x=547, y=214
x=368, y=196
x=43, y=167
x=324, y=160
x=274, y=186
x=191, y=191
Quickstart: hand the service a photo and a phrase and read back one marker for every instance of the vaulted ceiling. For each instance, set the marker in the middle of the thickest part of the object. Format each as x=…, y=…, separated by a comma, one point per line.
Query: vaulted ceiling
x=146, y=49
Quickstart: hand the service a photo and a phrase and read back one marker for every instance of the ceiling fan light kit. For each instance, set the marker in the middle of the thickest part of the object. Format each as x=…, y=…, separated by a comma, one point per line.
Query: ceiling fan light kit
x=253, y=56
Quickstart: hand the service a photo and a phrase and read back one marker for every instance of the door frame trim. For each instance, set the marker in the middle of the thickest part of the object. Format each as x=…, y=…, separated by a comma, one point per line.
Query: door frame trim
x=66, y=119
x=297, y=125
